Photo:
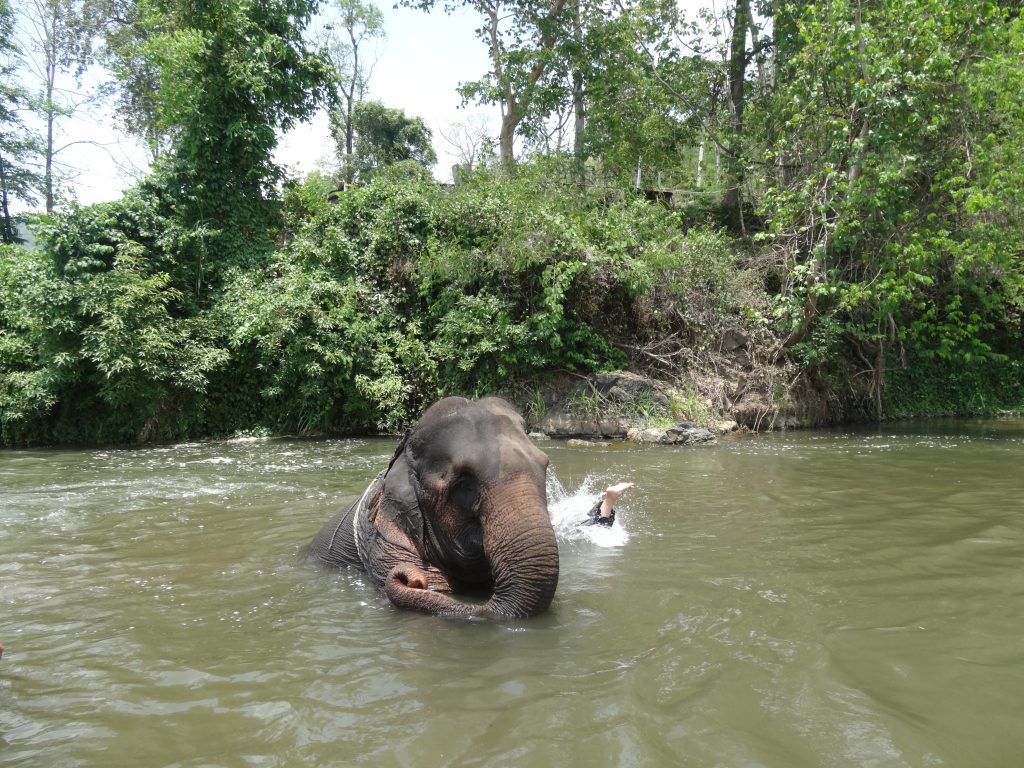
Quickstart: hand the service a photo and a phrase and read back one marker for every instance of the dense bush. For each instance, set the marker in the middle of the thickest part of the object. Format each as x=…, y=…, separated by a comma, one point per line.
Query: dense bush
x=27, y=386
x=928, y=386
x=99, y=343
x=124, y=328
x=120, y=330
x=405, y=290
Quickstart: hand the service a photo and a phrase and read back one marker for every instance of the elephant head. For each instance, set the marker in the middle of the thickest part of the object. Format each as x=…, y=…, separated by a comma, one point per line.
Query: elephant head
x=467, y=490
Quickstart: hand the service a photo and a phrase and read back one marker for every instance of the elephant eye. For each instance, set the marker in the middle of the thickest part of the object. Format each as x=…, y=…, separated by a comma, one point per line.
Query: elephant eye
x=464, y=493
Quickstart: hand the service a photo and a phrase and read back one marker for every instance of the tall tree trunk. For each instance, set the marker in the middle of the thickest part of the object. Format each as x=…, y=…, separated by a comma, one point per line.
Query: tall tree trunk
x=579, y=116
x=732, y=203
x=48, y=169
x=8, y=225
x=509, y=122
x=515, y=102
x=579, y=124
x=350, y=99
x=578, y=105
x=349, y=139
x=50, y=50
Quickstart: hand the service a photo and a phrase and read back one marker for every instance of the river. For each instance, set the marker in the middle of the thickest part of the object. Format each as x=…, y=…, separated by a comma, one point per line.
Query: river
x=827, y=598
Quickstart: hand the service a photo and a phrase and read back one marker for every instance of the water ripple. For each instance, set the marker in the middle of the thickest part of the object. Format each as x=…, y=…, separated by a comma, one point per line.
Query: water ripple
x=849, y=598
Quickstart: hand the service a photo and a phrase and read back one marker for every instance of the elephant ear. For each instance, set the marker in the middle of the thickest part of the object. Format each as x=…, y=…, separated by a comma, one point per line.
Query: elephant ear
x=399, y=450
x=398, y=502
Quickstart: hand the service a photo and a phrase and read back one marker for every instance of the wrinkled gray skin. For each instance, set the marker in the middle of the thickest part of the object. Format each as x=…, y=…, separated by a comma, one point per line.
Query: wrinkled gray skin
x=463, y=506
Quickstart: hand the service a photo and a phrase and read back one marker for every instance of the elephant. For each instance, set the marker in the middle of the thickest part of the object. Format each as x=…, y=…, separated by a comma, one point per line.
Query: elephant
x=462, y=506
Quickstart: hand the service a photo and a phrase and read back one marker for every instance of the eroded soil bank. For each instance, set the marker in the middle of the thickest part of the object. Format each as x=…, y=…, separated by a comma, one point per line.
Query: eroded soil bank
x=736, y=391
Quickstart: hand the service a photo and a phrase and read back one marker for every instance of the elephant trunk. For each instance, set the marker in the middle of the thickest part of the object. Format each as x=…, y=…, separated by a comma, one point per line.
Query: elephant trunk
x=520, y=545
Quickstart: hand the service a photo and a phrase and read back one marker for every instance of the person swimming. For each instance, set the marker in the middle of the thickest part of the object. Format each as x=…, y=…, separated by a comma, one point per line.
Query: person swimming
x=603, y=511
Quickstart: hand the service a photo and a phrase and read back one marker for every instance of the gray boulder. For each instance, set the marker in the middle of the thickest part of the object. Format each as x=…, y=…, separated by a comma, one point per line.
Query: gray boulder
x=680, y=434
x=617, y=406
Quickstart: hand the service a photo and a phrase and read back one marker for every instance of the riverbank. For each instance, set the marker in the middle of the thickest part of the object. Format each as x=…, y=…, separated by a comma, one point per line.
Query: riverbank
x=625, y=405
x=739, y=394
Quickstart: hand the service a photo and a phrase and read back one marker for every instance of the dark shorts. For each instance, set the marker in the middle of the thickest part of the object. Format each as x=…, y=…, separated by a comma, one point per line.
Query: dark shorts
x=594, y=516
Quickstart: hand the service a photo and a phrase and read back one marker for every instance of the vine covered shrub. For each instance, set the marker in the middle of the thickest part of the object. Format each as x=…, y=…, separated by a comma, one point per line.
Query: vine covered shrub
x=28, y=379
x=525, y=275
x=122, y=329
x=403, y=291
x=101, y=355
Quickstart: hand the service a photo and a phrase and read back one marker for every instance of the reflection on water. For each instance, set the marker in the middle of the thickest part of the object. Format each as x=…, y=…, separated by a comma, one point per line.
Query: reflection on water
x=848, y=598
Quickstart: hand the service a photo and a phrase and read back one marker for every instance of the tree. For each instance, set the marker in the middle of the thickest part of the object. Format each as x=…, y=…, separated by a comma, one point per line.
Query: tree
x=578, y=95
x=126, y=29
x=732, y=204
x=899, y=217
x=18, y=146
x=59, y=45
x=231, y=75
x=471, y=141
x=385, y=136
x=645, y=99
x=357, y=24
x=521, y=38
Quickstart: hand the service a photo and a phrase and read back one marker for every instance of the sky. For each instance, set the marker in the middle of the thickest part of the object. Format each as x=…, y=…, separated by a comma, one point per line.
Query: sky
x=420, y=64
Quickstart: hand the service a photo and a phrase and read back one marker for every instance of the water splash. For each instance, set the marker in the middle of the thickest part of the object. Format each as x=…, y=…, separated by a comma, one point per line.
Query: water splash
x=568, y=509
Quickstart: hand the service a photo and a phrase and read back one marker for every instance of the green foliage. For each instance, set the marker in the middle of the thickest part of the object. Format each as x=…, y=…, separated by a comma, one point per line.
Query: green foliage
x=385, y=137
x=20, y=148
x=374, y=306
x=98, y=354
x=880, y=142
x=705, y=272
x=112, y=311
x=90, y=240
x=126, y=54
x=556, y=272
x=326, y=324
x=144, y=364
x=231, y=75
x=929, y=386
x=326, y=345
x=902, y=120
x=300, y=202
x=632, y=118
x=403, y=290
x=28, y=386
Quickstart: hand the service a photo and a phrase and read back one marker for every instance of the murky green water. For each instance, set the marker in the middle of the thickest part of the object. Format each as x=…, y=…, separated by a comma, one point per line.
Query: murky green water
x=806, y=599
